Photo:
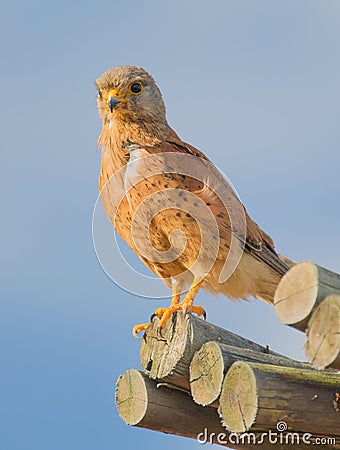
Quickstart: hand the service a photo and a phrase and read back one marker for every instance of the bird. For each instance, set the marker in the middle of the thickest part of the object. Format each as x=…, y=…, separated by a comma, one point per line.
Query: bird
x=172, y=205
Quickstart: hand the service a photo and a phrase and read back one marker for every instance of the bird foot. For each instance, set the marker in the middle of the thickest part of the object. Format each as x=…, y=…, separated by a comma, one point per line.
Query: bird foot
x=138, y=328
x=164, y=315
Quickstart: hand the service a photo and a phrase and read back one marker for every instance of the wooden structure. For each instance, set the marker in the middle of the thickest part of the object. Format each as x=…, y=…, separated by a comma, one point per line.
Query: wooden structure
x=206, y=383
x=308, y=299
x=253, y=394
x=213, y=360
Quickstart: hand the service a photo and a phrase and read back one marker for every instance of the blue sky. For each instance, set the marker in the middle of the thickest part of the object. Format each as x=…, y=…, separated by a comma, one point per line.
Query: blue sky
x=255, y=85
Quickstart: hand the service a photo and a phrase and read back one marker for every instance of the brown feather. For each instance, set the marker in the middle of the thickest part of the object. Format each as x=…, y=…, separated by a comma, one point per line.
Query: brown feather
x=140, y=126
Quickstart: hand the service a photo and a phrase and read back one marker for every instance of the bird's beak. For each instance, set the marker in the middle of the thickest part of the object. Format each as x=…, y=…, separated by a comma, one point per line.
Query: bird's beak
x=114, y=99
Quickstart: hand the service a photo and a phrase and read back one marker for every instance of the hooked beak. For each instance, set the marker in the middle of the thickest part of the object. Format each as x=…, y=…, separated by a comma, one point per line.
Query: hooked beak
x=115, y=99
x=113, y=102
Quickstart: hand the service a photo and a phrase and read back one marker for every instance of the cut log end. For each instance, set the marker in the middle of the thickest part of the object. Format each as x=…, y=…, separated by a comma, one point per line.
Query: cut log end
x=301, y=290
x=323, y=334
x=206, y=373
x=296, y=293
x=238, y=401
x=161, y=350
x=131, y=397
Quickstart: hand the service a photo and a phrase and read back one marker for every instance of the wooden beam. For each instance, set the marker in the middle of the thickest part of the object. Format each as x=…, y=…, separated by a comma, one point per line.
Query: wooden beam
x=166, y=354
x=323, y=334
x=142, y=404
x=212, y=361
x=258, y=396
x=300, y=291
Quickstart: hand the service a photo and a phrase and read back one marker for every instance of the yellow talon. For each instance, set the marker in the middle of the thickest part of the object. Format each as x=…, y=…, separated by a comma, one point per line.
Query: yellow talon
x=198, y=310
x=159, y=312
x=138, y=328
x=186, y=306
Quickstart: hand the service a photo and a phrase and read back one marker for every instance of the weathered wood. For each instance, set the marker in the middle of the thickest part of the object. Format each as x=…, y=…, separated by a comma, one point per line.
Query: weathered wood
x=323, y=334
x=141, y=403
x=212, y=361
x=258, y=396
x=300, y=291
x=166, y=354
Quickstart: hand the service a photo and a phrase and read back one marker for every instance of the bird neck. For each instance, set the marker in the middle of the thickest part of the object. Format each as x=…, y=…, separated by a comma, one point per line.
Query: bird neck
x=129, y=129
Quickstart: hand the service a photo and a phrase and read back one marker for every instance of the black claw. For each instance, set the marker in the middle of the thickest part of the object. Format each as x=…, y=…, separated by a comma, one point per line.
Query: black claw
x=153, y=315
x=204, y=314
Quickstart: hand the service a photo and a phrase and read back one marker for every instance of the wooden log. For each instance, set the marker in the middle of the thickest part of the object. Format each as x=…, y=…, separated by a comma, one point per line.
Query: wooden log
x=300, y=291
x=166, y=354
x=323, y=334
x=259, y=396
x=212, y=361
x=141, y=403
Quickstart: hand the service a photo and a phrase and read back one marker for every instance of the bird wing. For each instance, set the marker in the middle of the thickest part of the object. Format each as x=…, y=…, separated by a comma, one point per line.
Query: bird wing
x=256, y=242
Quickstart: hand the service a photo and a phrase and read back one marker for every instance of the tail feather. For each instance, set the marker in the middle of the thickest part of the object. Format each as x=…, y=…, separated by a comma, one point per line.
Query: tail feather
x=273, y=260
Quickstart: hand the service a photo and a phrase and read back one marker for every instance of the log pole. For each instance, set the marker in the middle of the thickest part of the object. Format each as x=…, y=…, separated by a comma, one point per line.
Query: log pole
x=258, y=396
x=142, y=404
x=301, y=290
x=212, y=361
x=166, y=354
x=323, y=334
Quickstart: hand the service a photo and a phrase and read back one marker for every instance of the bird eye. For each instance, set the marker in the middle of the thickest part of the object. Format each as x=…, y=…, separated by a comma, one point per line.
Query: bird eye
x=136, y=88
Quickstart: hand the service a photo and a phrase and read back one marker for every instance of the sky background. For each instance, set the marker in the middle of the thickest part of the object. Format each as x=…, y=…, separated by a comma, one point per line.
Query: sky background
x=254, y=84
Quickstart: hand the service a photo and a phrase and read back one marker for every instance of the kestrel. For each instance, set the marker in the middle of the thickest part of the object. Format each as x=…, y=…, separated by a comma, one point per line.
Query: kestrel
x=171, y=204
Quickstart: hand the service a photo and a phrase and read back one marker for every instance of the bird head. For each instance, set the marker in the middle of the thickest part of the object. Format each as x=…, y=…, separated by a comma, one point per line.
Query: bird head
x=129, y=93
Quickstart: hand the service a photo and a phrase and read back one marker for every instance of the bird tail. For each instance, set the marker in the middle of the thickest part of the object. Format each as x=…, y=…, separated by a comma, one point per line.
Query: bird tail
x=277, y=263
x=277, y=266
